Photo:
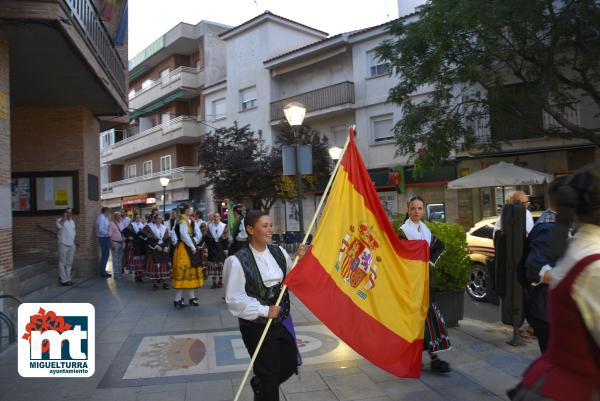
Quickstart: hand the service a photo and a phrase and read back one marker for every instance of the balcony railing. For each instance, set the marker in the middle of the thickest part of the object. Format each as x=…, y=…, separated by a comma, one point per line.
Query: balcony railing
x=84, y=12
x=173, y=174
x=323, y=98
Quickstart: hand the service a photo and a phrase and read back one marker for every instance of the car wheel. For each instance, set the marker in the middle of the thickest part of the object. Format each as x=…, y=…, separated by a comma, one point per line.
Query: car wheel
x=477, y=283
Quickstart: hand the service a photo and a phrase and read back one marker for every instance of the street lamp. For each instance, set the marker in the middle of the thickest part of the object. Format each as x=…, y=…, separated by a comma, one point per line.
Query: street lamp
x=164, y=181
x=294, y=114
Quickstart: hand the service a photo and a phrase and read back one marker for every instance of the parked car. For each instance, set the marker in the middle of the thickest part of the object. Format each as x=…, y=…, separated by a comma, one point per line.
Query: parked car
x=481, y=245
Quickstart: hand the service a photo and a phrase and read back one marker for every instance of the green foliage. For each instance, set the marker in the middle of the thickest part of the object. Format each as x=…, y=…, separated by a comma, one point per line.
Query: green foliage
x=452, y=270
x=397, y=220
x=466, y=52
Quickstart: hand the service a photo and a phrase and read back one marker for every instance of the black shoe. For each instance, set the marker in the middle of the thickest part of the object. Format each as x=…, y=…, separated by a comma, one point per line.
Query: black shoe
x=439, y=366
x=194, y=302
x=154, y=286
x=213, y=286
x=105, y=275
x=220, y=285
x=166, y=286
x=179, y=304
x=66, y=283
x=69, y=283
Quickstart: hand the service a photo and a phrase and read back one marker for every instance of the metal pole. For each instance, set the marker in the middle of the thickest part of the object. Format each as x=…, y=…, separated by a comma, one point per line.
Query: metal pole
x=164, y=201
x=299, y=185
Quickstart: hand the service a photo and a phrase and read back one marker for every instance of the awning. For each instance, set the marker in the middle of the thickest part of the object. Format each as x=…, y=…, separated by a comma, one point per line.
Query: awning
x=501, y=175
x=135, y=114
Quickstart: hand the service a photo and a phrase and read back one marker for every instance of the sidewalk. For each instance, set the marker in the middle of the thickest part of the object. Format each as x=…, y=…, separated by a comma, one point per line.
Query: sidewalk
x=146, y=350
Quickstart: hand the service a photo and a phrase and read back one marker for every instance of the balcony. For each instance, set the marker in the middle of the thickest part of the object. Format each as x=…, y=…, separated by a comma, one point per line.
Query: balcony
x=320, y=101
x=183, y=82
x=181, y=177
x=180, y=130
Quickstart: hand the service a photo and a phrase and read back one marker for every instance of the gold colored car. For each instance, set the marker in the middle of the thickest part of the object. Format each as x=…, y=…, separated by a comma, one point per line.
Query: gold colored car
x=481, y=245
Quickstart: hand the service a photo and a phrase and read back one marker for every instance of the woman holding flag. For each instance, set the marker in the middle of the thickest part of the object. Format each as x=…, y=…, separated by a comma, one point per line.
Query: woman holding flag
x=436, y=336
x=253, y=278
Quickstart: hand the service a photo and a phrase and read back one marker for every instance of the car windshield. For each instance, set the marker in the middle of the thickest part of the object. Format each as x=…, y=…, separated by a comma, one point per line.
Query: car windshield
x=485, y=231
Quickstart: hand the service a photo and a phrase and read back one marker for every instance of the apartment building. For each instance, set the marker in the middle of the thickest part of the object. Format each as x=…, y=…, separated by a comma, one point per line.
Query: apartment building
x=62, y=81
x=166, y=121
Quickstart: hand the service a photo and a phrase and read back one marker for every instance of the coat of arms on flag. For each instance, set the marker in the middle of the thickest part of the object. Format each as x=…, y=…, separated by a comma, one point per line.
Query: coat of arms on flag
x=356, y=262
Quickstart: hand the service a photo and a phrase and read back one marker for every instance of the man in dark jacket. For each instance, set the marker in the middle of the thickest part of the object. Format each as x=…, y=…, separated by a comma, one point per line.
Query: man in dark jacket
x=537, y=263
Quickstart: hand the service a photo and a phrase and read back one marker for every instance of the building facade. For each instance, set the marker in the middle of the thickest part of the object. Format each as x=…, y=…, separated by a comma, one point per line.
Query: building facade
x=62, y=81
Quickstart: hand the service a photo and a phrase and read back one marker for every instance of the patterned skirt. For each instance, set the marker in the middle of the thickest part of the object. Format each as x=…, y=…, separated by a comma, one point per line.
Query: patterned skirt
x=184, y=275
x=135, y=263
x=158, y=266
x=215, y=269
x=436, y=335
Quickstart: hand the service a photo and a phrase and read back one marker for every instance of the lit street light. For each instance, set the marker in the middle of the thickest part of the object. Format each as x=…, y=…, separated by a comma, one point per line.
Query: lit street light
x=164, y=181
x=335, y=153
x=294, y=114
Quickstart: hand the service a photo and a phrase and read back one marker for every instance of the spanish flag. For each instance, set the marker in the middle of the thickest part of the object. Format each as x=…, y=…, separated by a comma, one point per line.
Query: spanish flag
x=360, y=280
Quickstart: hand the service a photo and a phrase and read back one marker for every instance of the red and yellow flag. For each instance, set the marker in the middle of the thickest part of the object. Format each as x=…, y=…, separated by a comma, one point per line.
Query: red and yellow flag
x=360, y=280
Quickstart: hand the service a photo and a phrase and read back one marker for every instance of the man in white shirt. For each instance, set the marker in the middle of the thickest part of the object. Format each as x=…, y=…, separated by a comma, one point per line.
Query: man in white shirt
x=517, y=196
x=102, y=224
x=66, y=246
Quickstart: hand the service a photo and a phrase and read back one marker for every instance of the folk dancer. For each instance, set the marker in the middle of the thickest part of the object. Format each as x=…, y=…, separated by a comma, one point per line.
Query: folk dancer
x=187, y=270
x=436, y=336
x=239, y=235
x=158, y=266
x=569, y=370
x=253, y=278
x=136, y=258
x=217, y=241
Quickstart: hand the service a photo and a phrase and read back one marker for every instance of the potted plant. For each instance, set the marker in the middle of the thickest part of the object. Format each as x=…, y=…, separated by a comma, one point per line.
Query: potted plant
x=450, y=275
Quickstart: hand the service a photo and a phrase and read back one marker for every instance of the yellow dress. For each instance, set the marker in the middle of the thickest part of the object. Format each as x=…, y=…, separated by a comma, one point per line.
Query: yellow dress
x=184, y=275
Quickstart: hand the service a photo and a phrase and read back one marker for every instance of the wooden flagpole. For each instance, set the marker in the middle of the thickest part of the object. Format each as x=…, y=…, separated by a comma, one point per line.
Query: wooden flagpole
x=284, y=288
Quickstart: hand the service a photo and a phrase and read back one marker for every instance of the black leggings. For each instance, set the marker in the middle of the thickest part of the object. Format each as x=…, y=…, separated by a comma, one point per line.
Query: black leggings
x=276, y=360
x=541, y=329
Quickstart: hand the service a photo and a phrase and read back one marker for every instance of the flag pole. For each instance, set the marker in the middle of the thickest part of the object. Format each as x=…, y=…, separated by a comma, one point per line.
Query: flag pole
x=296, y=258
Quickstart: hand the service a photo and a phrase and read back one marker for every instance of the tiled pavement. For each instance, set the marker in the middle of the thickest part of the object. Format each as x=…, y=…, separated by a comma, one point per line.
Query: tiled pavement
x=129, y=315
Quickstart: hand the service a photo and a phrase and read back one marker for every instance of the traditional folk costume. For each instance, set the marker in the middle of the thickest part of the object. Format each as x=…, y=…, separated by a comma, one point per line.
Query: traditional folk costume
x=239, y=235
x=158, y=267
x=136, y=255
x=252, y=283
x=187, y=269
x=436, y=335
x=216, y=239
x=569, y=370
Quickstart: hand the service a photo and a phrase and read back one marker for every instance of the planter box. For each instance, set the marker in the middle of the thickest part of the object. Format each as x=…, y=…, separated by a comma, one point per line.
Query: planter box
x=451, y=305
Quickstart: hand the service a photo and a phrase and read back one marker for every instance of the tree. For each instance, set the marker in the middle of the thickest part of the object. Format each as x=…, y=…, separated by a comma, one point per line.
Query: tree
x=500, y=62
x=238, y=165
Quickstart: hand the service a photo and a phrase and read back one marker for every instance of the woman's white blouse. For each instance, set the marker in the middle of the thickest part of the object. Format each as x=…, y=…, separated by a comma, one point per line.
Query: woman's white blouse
x=238, y=302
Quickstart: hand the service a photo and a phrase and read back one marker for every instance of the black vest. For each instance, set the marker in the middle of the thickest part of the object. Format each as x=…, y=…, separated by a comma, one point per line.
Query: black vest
x=255, y=287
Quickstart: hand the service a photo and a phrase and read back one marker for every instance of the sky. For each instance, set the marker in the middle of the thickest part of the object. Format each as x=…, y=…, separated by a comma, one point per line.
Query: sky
x=150, y=19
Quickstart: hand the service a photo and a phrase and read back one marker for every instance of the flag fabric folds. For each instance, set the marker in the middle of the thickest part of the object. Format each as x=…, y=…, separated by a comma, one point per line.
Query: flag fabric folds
x=360, y=280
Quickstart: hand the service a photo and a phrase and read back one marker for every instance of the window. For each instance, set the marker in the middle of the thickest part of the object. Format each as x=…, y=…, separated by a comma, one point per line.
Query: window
x=132, y=94
x=147, y=83
x=165, y=118
x=164, y=74
x=381, y=127
x=248, y=98
x=148, y=167
x=339, y=133
x=131, y=171
x=107, y=138
x=486, y=231
x=377, y=67
x=219, y=109
x=165, y=163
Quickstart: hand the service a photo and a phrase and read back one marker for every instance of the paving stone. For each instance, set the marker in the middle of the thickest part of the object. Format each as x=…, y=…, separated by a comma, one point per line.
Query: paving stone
x=218, y=390
x=305, y=382
x=115, y=394
x=166, y=396
x=322, y=395
x=376, y=374
x=490, y=377
x=353, y=387
x=338, y=371
x=163, y=388
x=400, y=389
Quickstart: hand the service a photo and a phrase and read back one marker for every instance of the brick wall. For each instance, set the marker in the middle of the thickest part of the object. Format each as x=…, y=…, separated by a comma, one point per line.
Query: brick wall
x=6, y=261
x=67, y=137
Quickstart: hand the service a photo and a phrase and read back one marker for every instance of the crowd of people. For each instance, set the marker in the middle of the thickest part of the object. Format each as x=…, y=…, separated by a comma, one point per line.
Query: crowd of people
x=178, y=250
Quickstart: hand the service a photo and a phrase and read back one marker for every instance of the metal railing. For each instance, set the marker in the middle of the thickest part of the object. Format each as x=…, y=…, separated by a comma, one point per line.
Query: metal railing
x=150, y=131
x=319, y=99
x=84, y=12
x=174, y=174
x=8, y=321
